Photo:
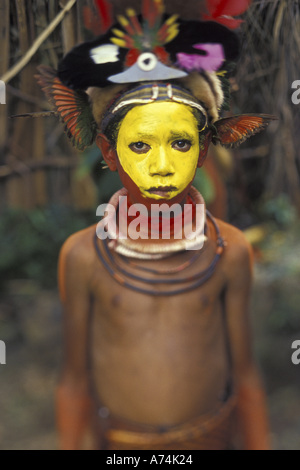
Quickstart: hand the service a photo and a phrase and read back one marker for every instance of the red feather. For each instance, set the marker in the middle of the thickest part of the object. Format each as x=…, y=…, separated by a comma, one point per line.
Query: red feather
x=234, y=130
x=223, y=11
x=100, y=20
x=204, y=148
x=227, y=7
x=151, y=11
x=136, y=24
x=65, y=112
x=105, y=12
x=72, y=106
x=91, y=21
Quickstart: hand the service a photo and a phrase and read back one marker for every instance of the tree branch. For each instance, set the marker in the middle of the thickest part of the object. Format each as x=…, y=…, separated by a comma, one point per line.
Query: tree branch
x=37, y=43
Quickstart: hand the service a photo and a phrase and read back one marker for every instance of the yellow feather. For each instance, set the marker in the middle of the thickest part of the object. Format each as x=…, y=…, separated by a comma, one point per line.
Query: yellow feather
x=160, y=6
x=172, y=33
x=118, y=32
x=172, y=19
x=118, y=42
x=130, y=12
x=124, y=22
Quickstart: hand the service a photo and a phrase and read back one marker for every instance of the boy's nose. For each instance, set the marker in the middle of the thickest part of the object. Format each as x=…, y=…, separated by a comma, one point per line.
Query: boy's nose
x=161, y=163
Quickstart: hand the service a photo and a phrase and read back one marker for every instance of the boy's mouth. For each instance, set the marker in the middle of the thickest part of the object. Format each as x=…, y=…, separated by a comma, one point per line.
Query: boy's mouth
x=161, y=190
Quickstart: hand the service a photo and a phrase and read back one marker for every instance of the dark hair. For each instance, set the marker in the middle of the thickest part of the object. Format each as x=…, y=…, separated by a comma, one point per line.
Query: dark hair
x=111, y=130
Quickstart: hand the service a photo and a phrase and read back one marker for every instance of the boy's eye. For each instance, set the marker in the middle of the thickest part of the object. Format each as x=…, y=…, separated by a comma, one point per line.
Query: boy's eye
x=139, y=147
x=182, y=145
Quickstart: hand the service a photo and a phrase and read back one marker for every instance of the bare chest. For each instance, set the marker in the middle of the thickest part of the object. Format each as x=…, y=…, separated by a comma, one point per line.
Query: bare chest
x=146, y=345
x=171, y=317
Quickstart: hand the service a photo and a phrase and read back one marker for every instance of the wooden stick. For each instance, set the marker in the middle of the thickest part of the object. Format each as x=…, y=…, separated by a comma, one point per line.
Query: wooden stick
x=37, y=43
x=26, y=97
x=35, y=115
x=4, y=62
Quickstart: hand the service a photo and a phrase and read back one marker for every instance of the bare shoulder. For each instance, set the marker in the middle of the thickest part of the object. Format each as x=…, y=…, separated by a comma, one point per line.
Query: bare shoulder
x=78, y=247
x=238, y=252
x=75, y=264
x=78, y=243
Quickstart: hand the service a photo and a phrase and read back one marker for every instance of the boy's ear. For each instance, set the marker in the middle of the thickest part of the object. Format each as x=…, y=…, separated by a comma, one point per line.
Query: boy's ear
x=108, y=151
x=234, y=130
x=204, y=144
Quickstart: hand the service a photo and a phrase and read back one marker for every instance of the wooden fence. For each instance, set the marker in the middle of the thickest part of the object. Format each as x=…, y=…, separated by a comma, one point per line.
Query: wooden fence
x=37, y=165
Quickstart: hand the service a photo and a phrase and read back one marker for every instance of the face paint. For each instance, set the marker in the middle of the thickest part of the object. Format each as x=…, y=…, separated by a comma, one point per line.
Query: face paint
x=158, y=148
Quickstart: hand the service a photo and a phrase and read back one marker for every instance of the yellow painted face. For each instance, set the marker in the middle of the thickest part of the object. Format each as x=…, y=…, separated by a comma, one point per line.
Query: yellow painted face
x=158, y=147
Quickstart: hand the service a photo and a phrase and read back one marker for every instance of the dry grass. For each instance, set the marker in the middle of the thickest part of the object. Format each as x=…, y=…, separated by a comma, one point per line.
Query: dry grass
x=269, y=64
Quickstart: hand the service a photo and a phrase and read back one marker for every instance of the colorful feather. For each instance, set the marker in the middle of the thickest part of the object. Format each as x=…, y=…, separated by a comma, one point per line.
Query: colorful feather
x=205, y=139
x=124, y=22
x=134, y=21
x=168, y=29
x=175, y=44
x=211, y=60
x=234, y=130
x=148, y=34
x=105, y=13
x=99, y=18
x=72, y=106
x=223, y=11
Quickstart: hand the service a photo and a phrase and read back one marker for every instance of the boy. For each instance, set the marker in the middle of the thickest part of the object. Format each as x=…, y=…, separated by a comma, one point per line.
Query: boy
x=157, y=338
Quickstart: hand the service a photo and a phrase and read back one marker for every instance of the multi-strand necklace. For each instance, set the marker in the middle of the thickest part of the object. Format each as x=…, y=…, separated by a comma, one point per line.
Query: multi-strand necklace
x=117, y=265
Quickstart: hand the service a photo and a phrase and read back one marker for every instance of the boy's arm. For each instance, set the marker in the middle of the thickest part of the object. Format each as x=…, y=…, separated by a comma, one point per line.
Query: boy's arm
x=251, y=403
x=73, y=402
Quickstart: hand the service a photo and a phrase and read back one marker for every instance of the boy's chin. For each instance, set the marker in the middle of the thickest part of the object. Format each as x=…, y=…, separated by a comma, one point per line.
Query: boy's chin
x=164, y=197
x=155, y=195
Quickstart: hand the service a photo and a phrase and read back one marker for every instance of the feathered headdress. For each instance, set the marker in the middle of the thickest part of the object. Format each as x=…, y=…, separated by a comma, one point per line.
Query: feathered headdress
x=153, y=47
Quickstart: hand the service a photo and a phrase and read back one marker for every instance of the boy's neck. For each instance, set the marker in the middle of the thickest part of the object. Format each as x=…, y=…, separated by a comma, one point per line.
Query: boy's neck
x=141, y=232
x=160, y=221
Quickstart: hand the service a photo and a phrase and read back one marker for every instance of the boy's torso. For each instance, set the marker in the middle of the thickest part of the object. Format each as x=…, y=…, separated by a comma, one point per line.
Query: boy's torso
x=159, y=360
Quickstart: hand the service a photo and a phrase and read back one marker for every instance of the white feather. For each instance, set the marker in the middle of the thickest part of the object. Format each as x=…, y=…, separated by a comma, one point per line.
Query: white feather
x=105, y=53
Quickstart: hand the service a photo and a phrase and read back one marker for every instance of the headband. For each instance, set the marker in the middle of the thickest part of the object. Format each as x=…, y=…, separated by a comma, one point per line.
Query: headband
x=151, y=93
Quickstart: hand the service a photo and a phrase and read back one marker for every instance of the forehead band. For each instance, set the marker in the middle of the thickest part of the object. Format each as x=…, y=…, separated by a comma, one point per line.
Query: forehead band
x=150, y=93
